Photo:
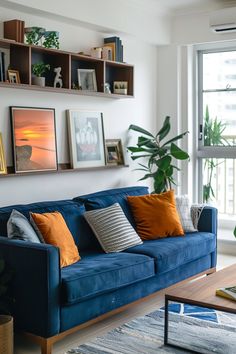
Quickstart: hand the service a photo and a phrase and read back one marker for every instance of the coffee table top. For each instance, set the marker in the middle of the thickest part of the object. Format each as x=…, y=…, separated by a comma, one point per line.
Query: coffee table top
x=201, y=292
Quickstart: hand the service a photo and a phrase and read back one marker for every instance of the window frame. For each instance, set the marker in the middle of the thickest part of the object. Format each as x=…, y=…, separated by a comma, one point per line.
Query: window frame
x=202, y=151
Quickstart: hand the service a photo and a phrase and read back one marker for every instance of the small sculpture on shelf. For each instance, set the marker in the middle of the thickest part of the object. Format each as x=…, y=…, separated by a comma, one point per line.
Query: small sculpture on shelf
x=107, y=88
x=58, y=77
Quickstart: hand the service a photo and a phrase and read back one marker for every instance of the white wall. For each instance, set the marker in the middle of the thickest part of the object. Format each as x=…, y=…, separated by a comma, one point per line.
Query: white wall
x=118, y=115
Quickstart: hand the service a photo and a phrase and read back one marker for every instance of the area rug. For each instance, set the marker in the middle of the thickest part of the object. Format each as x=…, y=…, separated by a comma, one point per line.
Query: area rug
x=191, y=327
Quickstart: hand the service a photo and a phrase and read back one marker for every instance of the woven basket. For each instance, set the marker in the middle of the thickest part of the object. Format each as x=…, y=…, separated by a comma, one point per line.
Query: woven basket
x=6, y=334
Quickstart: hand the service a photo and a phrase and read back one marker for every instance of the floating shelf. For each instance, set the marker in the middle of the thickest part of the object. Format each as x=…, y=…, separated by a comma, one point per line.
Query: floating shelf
x=22, y=56
x=62, y=168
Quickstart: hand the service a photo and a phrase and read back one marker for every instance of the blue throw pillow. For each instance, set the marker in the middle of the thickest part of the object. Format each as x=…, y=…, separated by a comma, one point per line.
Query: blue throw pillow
x=19, y=228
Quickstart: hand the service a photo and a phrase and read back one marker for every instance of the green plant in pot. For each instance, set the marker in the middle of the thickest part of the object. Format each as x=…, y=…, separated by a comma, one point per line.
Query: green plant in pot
x=38, y=70
x=6, y=301
x=213, y=136
x=160, y=154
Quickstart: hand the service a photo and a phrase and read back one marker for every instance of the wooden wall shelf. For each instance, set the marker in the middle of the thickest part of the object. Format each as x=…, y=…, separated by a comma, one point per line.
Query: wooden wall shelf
x=62, y=168
x=22, y=56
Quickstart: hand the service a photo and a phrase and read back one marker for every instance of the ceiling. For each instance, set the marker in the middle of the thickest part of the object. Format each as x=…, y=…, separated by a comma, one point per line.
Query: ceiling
x=183, y=6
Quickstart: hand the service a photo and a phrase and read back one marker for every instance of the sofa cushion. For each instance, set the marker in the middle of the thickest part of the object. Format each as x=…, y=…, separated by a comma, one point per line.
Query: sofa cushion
x=19, y=228
x=53, y=229
x=72, y=213
x=156, y=215
x=100, y=273
x=112, y=228
x=109, y=197
x=170, y=253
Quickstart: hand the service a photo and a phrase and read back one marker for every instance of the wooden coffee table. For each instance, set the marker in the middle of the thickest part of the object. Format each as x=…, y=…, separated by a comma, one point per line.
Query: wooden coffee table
x=202, y=293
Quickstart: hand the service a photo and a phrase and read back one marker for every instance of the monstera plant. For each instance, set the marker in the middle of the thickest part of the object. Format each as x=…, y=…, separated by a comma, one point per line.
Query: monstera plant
x=160, y=154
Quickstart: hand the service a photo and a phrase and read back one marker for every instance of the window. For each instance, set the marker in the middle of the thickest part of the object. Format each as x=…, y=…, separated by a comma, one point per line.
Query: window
x=217, y=128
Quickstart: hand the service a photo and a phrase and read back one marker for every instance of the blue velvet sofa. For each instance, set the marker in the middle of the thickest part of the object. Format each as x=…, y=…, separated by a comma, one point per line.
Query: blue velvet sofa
x=52, y=302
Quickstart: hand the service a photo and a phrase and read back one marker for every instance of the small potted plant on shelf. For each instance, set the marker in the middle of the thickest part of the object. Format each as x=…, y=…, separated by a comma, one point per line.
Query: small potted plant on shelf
x=6, y=320
x=38, y=70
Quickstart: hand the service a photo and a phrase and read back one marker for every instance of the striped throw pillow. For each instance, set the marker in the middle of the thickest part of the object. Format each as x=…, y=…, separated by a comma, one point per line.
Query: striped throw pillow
x=112, y=228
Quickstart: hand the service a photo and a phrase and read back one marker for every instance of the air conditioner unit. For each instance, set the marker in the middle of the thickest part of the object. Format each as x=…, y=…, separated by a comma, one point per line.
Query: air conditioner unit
x=223, y=21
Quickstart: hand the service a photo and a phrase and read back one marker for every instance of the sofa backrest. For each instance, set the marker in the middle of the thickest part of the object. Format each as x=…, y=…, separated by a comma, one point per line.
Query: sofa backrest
x=108, y=197
x=71, y=211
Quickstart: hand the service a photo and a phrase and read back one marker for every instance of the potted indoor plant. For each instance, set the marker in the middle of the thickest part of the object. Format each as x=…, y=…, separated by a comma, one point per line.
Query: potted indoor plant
x=38, y=70
x=6, y=320
x=159, y=153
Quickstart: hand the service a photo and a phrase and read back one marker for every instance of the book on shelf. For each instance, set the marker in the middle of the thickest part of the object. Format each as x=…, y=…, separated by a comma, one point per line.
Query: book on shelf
x=14, y=29
x=116, y=43
x=2, y=67
x=228, y=293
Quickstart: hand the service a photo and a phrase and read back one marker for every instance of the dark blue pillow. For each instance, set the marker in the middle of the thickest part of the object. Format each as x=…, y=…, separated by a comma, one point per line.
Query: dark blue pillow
x=109, y=197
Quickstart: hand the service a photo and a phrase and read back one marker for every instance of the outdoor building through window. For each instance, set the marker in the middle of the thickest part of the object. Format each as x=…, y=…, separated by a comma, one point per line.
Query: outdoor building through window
x=217, y=129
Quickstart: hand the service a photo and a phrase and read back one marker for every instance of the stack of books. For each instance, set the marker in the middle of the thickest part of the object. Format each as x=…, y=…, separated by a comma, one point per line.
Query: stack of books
x=15, y=30
x=228, y=293
x=117, y=48
x=2, y=67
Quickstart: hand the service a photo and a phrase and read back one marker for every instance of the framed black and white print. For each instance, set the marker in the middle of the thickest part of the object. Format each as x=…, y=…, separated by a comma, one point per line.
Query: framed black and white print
x=86, y=137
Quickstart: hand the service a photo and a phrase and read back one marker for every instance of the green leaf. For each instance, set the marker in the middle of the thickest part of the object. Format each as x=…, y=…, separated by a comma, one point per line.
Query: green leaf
x=145, y=141
x=135, y=149
x=165, y=129
x=164, y=163
x=137, y=157
x=140, y=130
x=235, y=232
x=148, y=175
x=178, y=153
x=180, y=136
x=169, y=171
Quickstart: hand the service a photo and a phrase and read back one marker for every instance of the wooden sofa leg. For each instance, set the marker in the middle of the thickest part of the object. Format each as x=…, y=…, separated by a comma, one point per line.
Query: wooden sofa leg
x=46, y=346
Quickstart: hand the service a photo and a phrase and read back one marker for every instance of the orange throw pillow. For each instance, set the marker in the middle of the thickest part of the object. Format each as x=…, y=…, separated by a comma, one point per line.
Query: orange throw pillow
x=156, y=215
x=52, y=227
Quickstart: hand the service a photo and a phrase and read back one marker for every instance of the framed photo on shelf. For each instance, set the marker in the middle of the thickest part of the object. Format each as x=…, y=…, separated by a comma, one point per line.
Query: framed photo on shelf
x=114, y=152
x=3, y=166
x=13, y=76
x=86, y=138
x=34, y=139
x=87, y=79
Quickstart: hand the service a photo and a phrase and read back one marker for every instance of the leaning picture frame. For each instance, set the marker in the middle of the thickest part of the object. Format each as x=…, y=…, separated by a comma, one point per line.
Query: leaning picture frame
x=33, y=139
x=13, y=76
x=114, y=152
x=87, y=79
x=86, y=138
x=3, y=166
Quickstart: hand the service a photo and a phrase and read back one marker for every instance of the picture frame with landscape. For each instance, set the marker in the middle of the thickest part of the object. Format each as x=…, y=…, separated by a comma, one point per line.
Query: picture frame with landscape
x=114, y=152
x=87, y=80
x=86, y=138
x=33, y=139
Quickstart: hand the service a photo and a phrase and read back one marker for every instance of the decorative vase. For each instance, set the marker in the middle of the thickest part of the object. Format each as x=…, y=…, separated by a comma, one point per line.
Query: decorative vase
x=33, y=35
x=51, y=39
x=39, y=81
x=6, y=334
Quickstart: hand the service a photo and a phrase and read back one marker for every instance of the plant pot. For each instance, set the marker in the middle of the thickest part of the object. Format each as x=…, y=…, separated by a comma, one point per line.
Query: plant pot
x=6, y=334
x=39, y=81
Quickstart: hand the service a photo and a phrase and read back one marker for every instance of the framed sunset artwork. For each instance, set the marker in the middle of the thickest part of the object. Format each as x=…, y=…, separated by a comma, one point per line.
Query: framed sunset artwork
x=34, y=139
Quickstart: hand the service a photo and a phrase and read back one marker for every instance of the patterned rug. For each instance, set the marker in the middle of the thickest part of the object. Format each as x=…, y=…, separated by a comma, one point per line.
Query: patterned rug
x=193, y=328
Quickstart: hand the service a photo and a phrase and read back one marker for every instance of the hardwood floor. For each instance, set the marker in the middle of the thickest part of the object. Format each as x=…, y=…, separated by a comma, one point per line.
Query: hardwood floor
x=23, y=346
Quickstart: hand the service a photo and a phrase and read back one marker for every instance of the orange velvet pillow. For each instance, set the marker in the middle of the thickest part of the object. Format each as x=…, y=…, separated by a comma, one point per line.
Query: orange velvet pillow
x=52, y=227
x=156, y=215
